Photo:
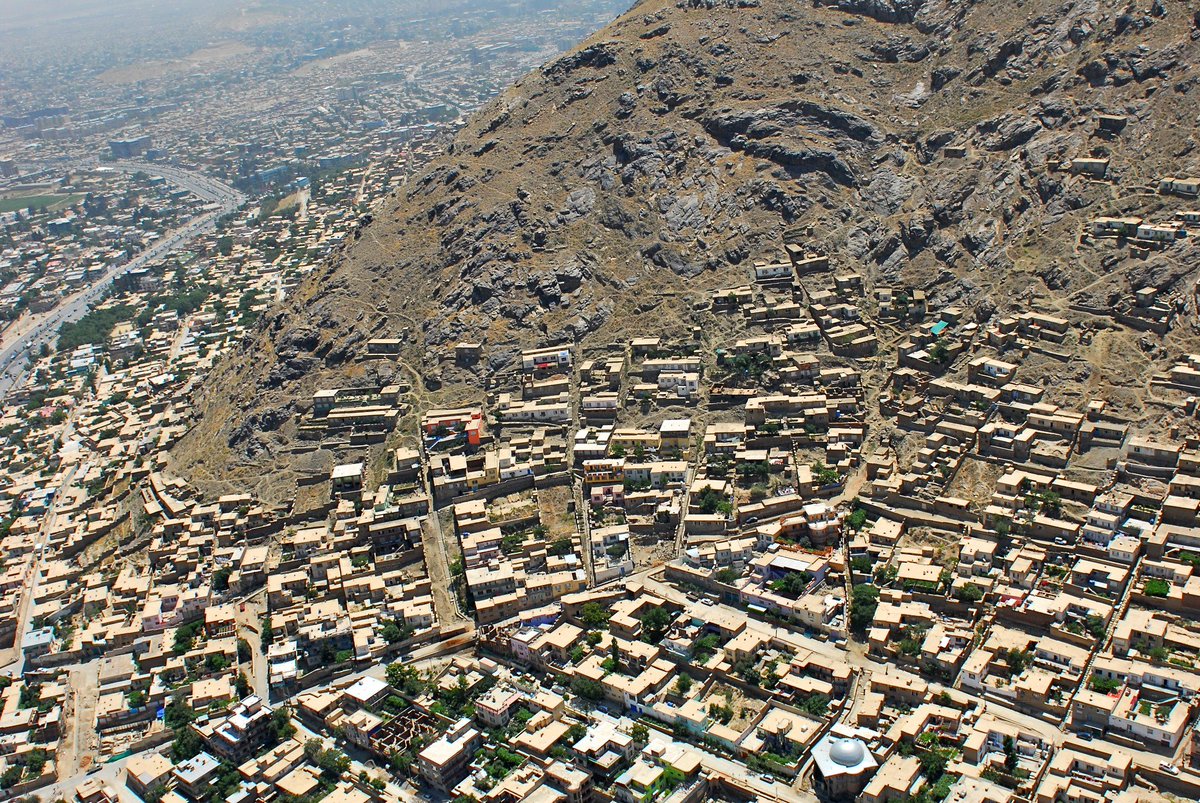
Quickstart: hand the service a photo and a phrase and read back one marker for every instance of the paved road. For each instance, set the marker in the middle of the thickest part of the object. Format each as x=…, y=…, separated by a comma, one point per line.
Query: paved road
x=30, y=333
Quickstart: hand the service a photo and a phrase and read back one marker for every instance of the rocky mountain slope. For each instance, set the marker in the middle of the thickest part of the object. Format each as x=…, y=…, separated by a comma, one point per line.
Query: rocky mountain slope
x=609, y=192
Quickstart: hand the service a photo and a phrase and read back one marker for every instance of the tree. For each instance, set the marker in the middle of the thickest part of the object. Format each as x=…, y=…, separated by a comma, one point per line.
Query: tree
x=587, y=688
x=220, y=579
x=640, y=733
x=815, y=704
x=1094, y=625
x=281, y=726
x=857, y=519
x=11, y=776
x=178, y=713
x=1010, y=755
x=1018, y=660
x=655, y=623
x=792, y=584
x=933, y=763
x=709, y=500
x=242, y=685
x=683, y=684
x=704, y=647
x=614, y=654
x=268, y=632
x=390, y=632
x=969, y=593
x=864, y=599
x=185, y=636
x=333, y=762
x=593, y=615
x=187, y=744
x=825, y=475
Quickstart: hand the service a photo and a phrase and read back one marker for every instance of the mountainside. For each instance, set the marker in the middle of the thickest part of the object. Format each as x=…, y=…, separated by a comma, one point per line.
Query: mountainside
x=610, y=192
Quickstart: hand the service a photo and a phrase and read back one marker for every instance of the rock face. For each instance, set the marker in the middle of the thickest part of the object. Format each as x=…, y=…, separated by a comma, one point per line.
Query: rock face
x=645, y=169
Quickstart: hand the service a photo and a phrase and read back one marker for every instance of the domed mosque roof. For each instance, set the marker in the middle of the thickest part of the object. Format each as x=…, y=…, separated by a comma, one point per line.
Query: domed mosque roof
x=848, y=752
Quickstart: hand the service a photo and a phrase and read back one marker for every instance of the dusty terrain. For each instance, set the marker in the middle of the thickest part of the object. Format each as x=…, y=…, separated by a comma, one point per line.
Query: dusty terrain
x=609, y=192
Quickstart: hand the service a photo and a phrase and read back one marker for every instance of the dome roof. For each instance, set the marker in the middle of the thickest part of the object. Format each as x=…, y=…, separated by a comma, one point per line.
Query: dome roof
x=848, y=752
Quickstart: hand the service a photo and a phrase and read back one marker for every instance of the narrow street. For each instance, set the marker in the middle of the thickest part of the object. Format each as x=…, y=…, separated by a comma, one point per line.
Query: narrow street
x=249, y=627
x=437, y=565
x=15, y=661
x=79, y=735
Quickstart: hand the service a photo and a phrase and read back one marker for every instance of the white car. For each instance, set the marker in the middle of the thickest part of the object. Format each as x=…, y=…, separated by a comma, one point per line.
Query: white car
x=1168, y=768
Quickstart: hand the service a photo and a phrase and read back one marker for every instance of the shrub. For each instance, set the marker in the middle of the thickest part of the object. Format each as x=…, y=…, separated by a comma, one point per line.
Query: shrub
x=1157, y=588
x=1103, y=685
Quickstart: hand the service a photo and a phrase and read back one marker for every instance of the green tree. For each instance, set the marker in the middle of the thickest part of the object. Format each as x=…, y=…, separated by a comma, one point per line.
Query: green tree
x=593, y=615
x=1011, y=758
x=704, y=647
x=186, y=745
x=815, y=704
x=587, y=688
x=281, y=726
x=792, y=584
x=185, y=636
x=391, y=632
x=856, y=519
x=640, y=733
x=933, y=763
x=969, y=593
x=864, y=599
x=655, y=623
